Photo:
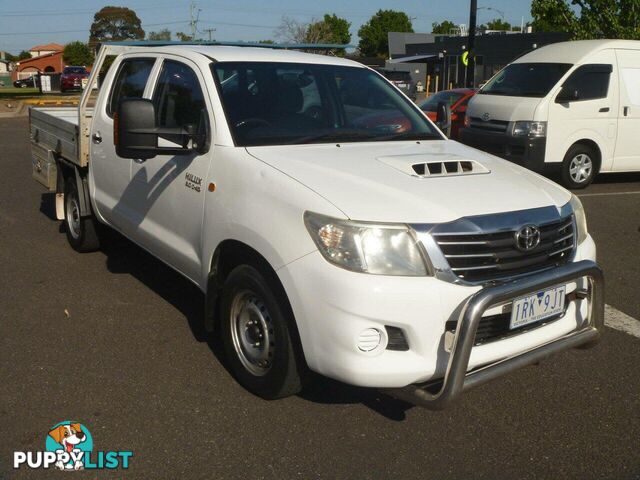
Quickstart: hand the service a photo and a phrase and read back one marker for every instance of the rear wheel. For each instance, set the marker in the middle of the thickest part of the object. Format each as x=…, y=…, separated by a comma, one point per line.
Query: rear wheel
x=82, y=232
x=256, y=334
x=579, y=167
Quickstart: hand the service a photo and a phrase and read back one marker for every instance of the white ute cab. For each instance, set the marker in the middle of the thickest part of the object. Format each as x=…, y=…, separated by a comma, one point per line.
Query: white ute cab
x=330, y=224
x=572, y=107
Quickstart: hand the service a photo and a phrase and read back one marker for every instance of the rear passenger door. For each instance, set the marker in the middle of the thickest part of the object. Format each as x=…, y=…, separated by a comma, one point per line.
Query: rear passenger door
x=627, y=156
x=167, y=193
x=110, y=174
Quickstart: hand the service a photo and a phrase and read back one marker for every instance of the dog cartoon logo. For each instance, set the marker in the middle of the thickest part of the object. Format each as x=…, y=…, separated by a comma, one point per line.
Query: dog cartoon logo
x=72, y=438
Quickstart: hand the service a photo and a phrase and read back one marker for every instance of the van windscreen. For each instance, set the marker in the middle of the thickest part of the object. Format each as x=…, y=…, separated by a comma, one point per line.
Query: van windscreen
x=526, y=79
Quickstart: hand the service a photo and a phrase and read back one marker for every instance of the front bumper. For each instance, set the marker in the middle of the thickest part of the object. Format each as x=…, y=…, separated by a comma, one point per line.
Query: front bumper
x=457, y=379
x=333, y=306
x=524, y=151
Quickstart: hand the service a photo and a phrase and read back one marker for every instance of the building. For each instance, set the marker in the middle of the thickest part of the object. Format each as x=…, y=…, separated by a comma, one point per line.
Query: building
x=40, y=50
x=50, y=61
x=438, y=62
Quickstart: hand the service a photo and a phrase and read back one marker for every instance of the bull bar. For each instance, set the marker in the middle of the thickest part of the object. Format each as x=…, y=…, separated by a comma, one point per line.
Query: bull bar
x=457, y=379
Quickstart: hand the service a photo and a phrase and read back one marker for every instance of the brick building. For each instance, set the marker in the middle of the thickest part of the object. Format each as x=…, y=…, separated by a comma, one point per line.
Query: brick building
x=50, y=61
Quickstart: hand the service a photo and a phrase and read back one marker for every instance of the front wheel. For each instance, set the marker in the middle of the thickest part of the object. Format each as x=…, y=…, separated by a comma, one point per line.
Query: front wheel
x=257, y=339
x=82, y=232
x=578, y=167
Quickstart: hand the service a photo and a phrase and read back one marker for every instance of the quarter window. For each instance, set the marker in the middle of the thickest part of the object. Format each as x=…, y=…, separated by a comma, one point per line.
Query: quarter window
x=591, y=82
x=130, y=81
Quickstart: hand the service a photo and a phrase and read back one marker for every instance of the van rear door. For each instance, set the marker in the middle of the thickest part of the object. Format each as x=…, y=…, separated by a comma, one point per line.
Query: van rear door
x=627, y=154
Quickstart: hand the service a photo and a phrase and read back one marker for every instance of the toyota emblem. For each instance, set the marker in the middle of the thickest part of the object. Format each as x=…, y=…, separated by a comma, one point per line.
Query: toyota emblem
x=527, y=238
x=486, y=117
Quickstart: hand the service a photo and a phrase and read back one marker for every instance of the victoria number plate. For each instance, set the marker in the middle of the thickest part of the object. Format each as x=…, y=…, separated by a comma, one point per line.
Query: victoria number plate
x=537, y=306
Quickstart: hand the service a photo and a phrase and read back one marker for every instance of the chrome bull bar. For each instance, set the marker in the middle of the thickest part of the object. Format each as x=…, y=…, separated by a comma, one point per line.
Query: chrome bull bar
x=457, y=379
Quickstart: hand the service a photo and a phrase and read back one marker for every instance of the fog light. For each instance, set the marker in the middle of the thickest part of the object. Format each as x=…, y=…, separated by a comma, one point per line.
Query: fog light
x=369, y=339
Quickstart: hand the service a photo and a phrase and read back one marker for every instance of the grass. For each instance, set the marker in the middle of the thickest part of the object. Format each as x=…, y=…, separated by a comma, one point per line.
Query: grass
x=12, y=92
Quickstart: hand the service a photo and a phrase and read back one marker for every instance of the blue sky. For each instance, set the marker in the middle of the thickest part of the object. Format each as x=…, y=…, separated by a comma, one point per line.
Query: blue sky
x=25, y=24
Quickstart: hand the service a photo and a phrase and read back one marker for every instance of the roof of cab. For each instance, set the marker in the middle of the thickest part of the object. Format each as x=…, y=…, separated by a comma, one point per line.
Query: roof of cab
x=574, y=52
x=227, y=53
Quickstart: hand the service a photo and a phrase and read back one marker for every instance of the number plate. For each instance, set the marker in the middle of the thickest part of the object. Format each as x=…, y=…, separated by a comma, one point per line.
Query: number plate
x=537, y=306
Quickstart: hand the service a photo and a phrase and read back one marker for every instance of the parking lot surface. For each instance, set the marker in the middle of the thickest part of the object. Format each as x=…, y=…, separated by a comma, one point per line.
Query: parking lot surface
x=114, y=339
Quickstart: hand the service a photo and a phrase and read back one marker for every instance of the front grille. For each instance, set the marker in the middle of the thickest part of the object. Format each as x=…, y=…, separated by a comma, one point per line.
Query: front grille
x=490, y=125
x=482, y=257
x=496, y=327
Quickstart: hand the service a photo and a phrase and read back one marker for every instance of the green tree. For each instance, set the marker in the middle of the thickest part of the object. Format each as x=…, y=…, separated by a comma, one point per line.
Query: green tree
x=163, y=35
x=443, y=28
x=77, y=53
x=183, y=37
x=24, y=55
x=113, y=24
x=496, y=24
x=594, y=18
x=374, y=39
x=338, y=29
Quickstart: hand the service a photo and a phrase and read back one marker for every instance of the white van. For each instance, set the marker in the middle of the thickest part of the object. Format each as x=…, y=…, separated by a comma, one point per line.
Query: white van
x=571, y=106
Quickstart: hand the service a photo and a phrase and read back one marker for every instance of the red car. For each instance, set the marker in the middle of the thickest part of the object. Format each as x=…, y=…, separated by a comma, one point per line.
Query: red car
x=71, y=78
x=393, y=123
x=457, y=99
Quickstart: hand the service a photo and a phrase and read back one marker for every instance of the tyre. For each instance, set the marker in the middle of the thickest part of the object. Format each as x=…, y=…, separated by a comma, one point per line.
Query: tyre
x=82, y=232
x=579, y=167
x=256, y=334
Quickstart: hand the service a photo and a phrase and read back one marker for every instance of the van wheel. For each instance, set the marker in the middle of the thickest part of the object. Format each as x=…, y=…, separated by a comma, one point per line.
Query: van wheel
x=256, y=336
x=82, y=232
x=578, y=167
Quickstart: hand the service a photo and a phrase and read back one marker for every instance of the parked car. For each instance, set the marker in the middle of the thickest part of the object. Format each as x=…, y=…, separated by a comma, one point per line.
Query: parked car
x=72, y=78
x=29, y=82
x=571, y=107
x=400, y=261
x=402, y=80
x=457, y=99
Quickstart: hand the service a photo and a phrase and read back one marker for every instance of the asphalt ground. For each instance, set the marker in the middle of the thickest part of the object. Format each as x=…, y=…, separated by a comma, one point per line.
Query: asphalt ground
x=113, y=339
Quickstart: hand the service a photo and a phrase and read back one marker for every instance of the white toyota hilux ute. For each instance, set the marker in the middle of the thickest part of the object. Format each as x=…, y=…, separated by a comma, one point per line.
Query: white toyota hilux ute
x=330, y=224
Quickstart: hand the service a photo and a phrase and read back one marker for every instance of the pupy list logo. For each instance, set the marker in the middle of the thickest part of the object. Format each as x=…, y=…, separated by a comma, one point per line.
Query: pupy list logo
x=69, y=446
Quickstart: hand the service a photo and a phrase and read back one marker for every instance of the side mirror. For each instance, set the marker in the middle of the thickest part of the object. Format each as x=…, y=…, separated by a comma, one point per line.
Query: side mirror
x=136, y=134
x=567, y=96
x=443, y=118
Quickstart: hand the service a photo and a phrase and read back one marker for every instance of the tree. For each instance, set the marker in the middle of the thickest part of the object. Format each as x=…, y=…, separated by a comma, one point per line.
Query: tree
x=496, y=24
x=443, y=28
x=77, y=53
x=163, y=34
x=183, y=37
x=113, y=24
x=374, y=35
x=24, y=55
x=338, y=29
x=594, y=18
x=266, y=42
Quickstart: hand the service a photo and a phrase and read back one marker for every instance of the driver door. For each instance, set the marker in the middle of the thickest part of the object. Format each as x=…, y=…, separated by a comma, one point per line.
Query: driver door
x=168, y=192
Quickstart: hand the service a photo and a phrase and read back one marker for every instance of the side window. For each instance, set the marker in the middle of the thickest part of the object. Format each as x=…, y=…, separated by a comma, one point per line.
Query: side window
x=591, y=82
x=178, y=98
x=130, y=81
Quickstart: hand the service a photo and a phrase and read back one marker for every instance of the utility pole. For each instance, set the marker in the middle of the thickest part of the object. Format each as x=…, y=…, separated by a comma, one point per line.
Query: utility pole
x=194, y=15
x=471, y=44
x=210, y=31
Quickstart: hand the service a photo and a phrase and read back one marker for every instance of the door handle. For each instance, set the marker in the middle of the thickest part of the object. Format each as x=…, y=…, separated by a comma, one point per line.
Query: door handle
x=604, y=110
x=626, y=111
x=97, y=138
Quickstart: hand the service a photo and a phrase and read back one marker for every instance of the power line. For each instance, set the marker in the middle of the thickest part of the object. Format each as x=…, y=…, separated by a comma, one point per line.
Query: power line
x=86, y=30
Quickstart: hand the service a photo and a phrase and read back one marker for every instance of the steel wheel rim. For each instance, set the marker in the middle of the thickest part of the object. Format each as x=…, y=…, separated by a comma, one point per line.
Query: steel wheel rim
x=73, y=216
x=580, y=168
x=252, y=333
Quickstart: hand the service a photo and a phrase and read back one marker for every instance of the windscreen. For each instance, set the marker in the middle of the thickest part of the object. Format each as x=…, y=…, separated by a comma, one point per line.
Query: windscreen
x=74, y=70
x=268, y=103
x=526, y=79
x=448, y=97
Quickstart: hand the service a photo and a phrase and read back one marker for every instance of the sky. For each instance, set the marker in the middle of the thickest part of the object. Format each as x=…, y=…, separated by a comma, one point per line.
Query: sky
x=23, y=25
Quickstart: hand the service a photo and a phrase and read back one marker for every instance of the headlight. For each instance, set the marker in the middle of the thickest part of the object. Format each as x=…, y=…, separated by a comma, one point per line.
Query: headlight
x=581, y=219
x=386, y=249
x=530, y=129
